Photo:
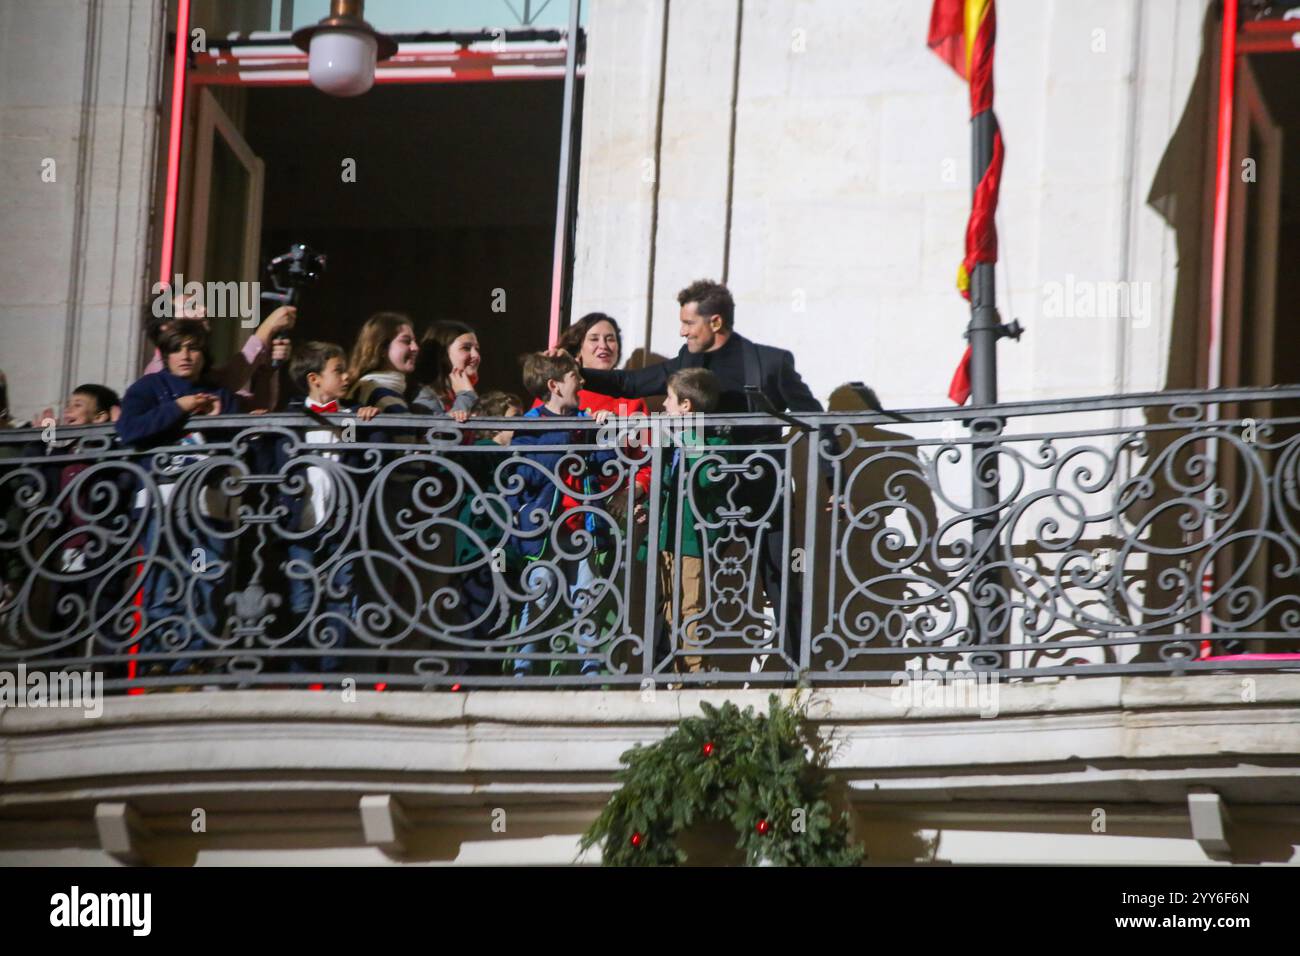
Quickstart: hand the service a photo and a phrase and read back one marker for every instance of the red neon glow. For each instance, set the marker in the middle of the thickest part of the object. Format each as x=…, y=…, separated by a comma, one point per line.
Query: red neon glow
x=1227, y=85
x=174, y=140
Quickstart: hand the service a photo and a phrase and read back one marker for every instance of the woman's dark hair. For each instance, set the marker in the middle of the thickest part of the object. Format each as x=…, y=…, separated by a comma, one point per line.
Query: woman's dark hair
x=573, y=337
x=433, y=364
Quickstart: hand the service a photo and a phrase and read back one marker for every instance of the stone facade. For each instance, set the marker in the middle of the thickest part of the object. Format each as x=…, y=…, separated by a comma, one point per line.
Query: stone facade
x=1075, y=771
x=838, y=215
x=79, y=97
x=815, y=155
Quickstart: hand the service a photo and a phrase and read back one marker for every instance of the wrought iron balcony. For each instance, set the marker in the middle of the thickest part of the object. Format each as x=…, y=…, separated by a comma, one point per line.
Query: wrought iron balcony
x=1154, y=533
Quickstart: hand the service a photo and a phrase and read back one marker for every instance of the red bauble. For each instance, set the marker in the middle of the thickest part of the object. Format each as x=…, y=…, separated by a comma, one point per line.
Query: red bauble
x=636, y=839
x=708, y=749
x=763, y=827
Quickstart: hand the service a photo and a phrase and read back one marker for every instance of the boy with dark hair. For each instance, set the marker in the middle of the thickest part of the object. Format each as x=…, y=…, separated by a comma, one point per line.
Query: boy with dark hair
x=159, y=410
x=539, y=505
x=314, y=358
x=87, y=405
x=91, y=405
x=83, y=599
x=320, y=371
x=687, y=485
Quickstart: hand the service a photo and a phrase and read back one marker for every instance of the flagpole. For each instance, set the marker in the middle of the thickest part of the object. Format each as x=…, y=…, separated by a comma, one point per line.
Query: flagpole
x=983, y=305
x=983, y=334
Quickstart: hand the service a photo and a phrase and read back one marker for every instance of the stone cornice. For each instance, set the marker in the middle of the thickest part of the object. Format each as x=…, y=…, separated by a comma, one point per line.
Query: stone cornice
x=1136, y=738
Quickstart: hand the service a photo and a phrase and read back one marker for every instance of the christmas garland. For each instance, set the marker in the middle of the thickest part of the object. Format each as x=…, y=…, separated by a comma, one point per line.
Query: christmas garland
x=765, y=775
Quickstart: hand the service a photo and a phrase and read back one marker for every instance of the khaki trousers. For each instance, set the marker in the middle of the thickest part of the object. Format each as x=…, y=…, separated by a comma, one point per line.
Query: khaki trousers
x=690, y=603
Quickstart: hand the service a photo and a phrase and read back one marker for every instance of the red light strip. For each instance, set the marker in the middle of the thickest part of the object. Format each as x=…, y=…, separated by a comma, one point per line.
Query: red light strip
x=1269, y=36
x=1227, y=85
x=1214, y=363
x=174, y=140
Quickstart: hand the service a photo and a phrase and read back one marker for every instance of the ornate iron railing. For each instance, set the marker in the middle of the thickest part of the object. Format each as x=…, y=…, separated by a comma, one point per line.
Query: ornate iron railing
x=1143, y=533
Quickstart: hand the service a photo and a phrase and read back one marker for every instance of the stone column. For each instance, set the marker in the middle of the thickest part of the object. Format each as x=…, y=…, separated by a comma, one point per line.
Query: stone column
x=77, y=124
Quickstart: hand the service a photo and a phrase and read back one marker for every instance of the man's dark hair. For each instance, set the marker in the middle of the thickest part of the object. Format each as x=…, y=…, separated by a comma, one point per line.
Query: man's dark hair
x=181, y=331
x=698, y=386
x=313, y=357
x=539, y=369
x=105, y=398
x=710, y=298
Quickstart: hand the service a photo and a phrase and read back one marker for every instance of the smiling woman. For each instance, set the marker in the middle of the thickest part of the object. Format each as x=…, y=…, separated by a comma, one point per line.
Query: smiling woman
x=597, y=342
x=447, y=369
x=385, y=354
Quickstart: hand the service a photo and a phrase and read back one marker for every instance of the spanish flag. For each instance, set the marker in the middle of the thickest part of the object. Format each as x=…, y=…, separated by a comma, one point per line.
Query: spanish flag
x=962, y=33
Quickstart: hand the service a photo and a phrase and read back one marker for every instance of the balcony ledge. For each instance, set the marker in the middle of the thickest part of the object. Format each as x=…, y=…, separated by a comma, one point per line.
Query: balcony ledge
x=1138, y=732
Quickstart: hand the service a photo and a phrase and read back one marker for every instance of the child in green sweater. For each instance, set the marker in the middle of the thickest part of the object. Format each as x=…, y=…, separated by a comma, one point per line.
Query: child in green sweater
x=691, y=392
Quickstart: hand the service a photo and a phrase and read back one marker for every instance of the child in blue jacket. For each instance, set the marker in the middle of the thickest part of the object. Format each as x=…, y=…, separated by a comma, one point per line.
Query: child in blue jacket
x=543, y=513
x=160, y=410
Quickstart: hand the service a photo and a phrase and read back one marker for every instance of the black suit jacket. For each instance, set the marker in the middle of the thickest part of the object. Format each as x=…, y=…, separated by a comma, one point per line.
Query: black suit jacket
x=738, y=363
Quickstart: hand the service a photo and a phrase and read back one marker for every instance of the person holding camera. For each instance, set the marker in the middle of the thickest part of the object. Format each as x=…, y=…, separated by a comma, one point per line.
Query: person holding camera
x=253, y=373
x=162, y=410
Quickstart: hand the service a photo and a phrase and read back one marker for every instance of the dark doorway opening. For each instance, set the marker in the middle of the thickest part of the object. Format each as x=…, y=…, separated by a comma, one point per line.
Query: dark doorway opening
x=450, y=216
x=1278, y=75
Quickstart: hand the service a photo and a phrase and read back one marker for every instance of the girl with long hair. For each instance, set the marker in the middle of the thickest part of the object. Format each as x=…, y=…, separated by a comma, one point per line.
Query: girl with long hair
x=383, y=358
x=447, y=370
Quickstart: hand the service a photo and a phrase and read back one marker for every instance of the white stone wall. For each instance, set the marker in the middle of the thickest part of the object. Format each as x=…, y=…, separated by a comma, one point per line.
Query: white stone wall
x=849, y=184
x=851, y=180
x=79, y=87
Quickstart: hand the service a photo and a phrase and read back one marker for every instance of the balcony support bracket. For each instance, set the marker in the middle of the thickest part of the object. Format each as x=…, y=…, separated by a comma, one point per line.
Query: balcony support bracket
x=385, y=823
x=1209, y=818
x=122, y=832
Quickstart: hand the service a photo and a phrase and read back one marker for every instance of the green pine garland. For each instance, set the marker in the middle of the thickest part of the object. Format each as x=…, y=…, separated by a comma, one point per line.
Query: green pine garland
x=769, y=768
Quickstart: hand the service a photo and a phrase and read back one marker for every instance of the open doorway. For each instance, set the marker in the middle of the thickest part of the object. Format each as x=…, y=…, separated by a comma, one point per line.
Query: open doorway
x=1261, y=347
x=1260, y=342
x=1277, y=78
x=450, y=213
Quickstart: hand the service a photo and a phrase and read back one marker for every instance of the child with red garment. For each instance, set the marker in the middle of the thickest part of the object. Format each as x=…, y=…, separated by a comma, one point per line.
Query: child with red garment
x=597, y=342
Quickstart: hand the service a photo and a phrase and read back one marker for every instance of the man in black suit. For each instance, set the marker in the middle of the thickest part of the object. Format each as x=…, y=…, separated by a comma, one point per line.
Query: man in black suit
x=707, y=325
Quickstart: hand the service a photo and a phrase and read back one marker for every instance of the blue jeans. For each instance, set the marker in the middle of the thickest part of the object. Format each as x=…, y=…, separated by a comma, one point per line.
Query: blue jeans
x=332, y=632
x=579, y=577
x=168, y=596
